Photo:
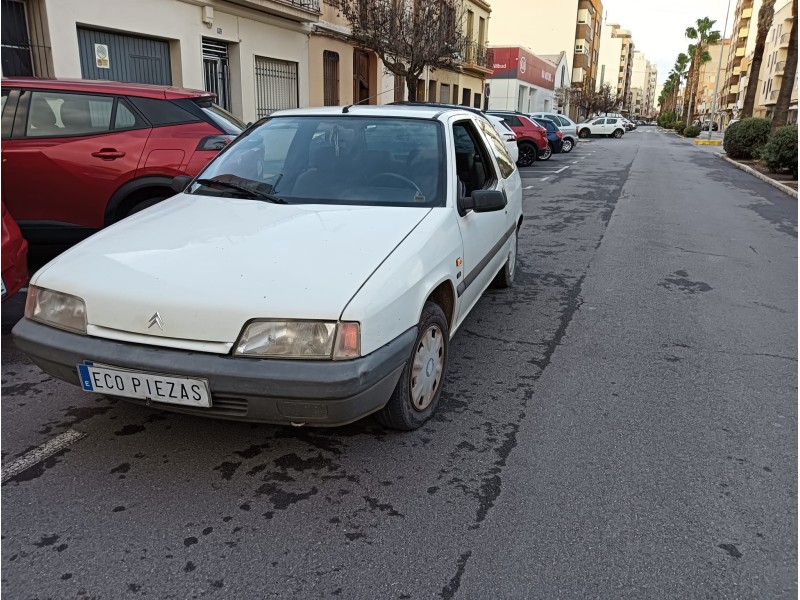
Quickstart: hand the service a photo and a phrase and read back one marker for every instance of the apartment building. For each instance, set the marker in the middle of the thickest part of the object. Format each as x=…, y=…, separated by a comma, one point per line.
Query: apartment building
x=745, y=26
x=615, y=65
x=707, y=81
x=642, y=85
x=571, y=26
x=774, y=63
x=252, y=53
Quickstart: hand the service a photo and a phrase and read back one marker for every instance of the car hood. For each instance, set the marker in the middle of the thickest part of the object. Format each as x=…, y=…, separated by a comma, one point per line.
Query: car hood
x=207, y=265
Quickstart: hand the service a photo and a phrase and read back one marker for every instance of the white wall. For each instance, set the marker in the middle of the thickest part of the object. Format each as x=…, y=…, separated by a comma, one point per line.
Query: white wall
x=513, y=94
x=256, y=34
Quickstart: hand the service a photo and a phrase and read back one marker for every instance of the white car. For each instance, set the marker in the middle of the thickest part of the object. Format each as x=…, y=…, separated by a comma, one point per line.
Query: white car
x=313, y=273
x=607, y=126
x=568, y=128
x=506, y=134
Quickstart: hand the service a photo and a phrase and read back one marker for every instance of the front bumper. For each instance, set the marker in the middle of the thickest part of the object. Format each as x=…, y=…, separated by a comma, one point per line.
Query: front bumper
x=323, y=393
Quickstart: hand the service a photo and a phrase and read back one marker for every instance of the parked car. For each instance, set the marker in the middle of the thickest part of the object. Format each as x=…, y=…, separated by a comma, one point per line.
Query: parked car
x=554, y=138
x=14, y=256
x=506, y=134
x=628, y=124
x=713, y=125
x=531, y=137
x=607, y=126
x=316, y=285
x=79, y=155
x=568, y=127
x=503, y=130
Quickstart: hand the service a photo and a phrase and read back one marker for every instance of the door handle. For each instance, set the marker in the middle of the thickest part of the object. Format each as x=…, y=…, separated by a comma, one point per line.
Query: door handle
x=108, y=154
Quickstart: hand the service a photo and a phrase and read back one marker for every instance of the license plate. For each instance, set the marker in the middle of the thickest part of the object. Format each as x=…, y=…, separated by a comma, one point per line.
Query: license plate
x=116, y=381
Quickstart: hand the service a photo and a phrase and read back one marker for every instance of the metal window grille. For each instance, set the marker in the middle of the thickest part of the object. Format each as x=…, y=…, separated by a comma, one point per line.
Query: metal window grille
x=399, y=88
x=21, y=56
x=276, y=85
x=330, y=70
x=216, y=72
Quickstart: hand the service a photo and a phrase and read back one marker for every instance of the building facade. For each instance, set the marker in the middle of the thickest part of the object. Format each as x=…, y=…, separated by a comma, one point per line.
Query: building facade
x=615, y=66
x=774, y=63
x=253, y=53
x=745, y=26
x=642, y=86
x=707, y=82
x=571, y=26
x=521, y=81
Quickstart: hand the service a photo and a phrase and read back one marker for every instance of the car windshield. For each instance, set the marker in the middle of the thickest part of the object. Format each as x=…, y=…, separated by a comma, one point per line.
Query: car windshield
x=334, y=160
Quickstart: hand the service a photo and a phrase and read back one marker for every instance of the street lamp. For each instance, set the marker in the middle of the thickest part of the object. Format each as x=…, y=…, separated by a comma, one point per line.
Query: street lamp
x=719, y=69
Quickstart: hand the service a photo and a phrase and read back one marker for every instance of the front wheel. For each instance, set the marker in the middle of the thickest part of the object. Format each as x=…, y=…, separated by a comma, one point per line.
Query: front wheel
x=416, y=396
x=618, y=133
x=584, y=133
x=505, y=278
x=547, y=152
x=527, y=154
x=567, y=147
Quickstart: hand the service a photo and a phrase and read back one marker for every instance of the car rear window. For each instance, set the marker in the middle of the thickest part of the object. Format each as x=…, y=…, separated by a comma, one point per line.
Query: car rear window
x=371, y=161
x=162, y=112
x=221, y=117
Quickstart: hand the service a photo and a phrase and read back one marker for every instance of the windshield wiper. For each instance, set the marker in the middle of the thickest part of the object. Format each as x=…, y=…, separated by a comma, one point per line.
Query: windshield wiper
x=242, y=188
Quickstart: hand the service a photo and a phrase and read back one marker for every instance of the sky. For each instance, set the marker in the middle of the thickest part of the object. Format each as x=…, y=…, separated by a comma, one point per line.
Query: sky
x=658, y=26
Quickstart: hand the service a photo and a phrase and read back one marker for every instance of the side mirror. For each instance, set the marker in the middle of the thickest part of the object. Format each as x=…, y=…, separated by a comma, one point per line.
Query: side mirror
x=179, y=183
x=488, y=200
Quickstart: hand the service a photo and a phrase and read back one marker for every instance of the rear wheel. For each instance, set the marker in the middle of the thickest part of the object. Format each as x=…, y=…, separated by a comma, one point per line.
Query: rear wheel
x=584, y=133
x=527, y=154
x=547, y=152
x=567, y=147
x=618, y=133
x=416, y=396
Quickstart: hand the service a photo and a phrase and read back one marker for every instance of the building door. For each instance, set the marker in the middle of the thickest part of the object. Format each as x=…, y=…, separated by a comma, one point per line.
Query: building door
x=215, y=71
x=119, y=57
x=361, y=77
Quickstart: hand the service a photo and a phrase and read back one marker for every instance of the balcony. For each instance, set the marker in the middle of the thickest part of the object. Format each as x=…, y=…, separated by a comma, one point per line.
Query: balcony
x=303, y=11
x=743, y=32
x=780, y=67
x=772, y=98
x=784, y=40
x=476, y=58
x=584, y=32
x=734, y=89
x=740, y=51
x=747, y=13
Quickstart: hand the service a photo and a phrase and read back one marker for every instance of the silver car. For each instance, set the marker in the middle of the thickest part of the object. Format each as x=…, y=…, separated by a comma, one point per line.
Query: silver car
x=568, y=127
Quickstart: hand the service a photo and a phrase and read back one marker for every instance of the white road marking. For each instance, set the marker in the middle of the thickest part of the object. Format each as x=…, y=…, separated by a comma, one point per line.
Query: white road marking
x=574, y=162
x=563, y=168
x=528, y=187
x=43, y=452
x=543, y=179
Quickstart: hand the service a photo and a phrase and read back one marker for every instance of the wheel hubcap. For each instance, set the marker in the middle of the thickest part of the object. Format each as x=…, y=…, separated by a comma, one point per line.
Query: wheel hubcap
x=547, y=152
x=426, y=370
x=567, y=146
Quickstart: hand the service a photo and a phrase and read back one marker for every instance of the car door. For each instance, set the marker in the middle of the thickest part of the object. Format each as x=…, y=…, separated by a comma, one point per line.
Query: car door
x=598, y=127
x=483, y=234
x=611, y=125
x=68, y=154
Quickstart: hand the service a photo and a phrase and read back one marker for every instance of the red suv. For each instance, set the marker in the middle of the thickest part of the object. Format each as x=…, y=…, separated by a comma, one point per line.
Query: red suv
x=531, y=137
x=79, y=155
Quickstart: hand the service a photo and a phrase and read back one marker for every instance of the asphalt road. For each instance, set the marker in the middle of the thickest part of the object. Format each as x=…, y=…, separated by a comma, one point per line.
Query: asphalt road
x=620, y=424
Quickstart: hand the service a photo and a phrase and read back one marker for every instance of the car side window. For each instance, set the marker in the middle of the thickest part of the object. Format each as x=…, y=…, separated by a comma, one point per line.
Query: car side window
x=473, y=165
x=504, y=159
x=611, y=121
x=55, y=114
x=7, y=118
x=564, y=122
x=124, y=118
x=598, y=122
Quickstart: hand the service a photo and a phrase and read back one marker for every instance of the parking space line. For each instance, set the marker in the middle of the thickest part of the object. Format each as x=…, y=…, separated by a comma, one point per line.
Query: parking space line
x=543, y=179
x=40, y=453
x=563, y=168
x=528, y=187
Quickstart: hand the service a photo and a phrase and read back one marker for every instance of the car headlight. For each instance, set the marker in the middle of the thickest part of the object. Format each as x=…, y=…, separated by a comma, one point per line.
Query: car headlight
x=300, y=339
x=56, y=309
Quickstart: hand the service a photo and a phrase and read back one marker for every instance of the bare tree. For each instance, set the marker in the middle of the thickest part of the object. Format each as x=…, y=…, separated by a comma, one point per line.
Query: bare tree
x=606, y=99
x=408, y=35
x=789, y=71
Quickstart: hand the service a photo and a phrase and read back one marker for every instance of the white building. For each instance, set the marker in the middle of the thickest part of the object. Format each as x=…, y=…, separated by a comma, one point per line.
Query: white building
x=521, y=80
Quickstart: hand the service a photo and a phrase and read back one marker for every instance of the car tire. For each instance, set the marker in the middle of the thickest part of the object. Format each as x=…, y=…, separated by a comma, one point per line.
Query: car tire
x=527, y=154
x=584, y=133
x=567, y=147
x=618, y=133
x=422, y=376
x=547, y=152
x=505, y=278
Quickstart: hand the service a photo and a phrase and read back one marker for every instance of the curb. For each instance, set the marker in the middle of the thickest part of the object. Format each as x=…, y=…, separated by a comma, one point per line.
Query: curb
x=708, y=142
x=776, y=184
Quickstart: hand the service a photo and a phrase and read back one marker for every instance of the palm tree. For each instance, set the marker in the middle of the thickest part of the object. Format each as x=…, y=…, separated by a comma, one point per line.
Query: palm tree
x=704, y=37
x=789, y=71
x=765, y=15
x=678, y=73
